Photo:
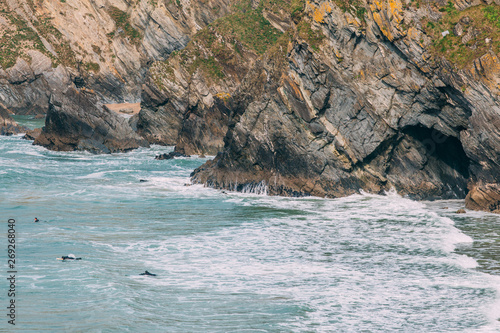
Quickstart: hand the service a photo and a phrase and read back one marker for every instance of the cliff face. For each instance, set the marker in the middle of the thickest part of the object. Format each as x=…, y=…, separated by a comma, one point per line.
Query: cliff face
x=102, y=45
x=185, y=97
x=303, y=98
x=378, y=102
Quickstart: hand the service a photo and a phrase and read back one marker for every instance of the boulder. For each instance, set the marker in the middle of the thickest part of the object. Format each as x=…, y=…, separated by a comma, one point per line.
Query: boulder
x=170, y=155
x=484, y=197
x=32, y=134
x=75, y=121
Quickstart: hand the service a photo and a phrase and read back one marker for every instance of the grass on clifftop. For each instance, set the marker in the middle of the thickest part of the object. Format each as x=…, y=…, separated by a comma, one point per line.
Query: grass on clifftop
x=480, y=22
x=250, y=28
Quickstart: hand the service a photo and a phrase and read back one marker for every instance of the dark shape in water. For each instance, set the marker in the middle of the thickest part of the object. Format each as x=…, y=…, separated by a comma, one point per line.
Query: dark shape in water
x=148, y=274
x=170, y=156
x=142, y=180
x=70, y=257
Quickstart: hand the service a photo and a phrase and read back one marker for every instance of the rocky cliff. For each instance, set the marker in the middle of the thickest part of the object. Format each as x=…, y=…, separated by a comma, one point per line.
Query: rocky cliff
x=386, y=98
x=104, y=45
x=185, y=97
x=300, y=97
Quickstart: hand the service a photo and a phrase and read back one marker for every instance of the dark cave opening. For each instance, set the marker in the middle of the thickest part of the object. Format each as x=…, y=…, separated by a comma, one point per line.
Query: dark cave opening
x=443, y=148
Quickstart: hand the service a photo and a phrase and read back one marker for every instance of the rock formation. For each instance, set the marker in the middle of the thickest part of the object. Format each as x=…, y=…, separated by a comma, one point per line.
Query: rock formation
x=185, y=97
x=374, y=104
x=32, y=134
x=170, y=155
x=103, y=45
x=76, y=122
x=7, y=125
x=312, y=97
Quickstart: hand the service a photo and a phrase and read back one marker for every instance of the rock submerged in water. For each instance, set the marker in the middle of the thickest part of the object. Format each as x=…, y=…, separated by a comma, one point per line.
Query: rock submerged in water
x=170, y=155
x=75, y=121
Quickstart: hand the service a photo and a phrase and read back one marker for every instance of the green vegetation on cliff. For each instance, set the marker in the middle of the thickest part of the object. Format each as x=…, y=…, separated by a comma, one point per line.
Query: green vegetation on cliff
x=472, y=33
x=21, y=36
x=313, y=37
x=14, y=40
x=122, y=21
x=225, y=46
x=250, y=28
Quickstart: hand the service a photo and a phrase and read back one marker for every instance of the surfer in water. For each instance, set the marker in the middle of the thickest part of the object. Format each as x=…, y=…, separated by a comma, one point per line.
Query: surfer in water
x=70, y=257
x=148, y=274
x=36, y=220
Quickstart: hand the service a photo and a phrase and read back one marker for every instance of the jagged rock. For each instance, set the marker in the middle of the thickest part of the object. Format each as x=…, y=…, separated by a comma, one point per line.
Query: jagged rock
x=170, y=155
x=484, y=197
x=460, y=211
x=76, y=122
x=190, y=108
x=458, y=30
x=103, y=46
x=376, y=113
x=7, y=125
x=32, y=134
x=472, y=33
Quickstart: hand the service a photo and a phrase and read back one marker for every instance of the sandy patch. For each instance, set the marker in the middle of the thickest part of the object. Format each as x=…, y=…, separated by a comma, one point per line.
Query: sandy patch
x=124, y=108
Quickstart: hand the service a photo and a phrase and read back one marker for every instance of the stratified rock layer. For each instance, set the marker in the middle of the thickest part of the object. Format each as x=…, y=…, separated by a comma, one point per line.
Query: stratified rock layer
x=369, y=109
x=484, y=197
x=103, y=45
x=76, y=122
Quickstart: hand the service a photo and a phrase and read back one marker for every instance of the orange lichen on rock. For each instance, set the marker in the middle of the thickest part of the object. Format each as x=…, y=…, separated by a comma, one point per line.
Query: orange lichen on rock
x=320, y=12
x=294, y=88
x=396, y=9
x=487, y=68
x=351, y=20
x=388, y=16
x=223, y=96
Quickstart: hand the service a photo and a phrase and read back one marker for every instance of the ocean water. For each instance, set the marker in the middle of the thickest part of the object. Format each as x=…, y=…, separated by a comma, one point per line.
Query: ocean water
x=231, y=262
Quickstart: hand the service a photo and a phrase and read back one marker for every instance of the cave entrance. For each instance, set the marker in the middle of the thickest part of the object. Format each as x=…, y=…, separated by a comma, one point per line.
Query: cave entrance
x=446, y=157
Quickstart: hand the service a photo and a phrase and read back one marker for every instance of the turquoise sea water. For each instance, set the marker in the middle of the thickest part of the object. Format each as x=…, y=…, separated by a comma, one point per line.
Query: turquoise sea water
x=231, y=262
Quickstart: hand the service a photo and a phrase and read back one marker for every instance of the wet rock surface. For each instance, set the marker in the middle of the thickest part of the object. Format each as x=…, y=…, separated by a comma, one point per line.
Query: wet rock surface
x=169, y=156
x=32, y=134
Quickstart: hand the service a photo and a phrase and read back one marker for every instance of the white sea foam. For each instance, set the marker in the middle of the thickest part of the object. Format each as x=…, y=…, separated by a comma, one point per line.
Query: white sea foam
x=466, y=262
x=235, y=261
